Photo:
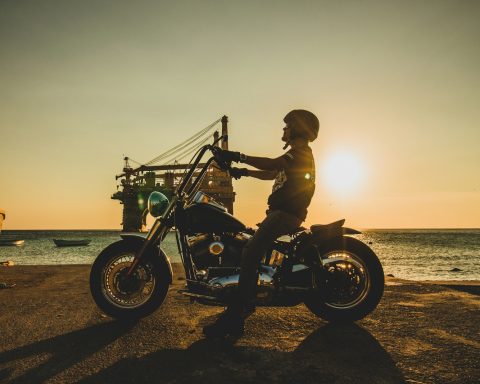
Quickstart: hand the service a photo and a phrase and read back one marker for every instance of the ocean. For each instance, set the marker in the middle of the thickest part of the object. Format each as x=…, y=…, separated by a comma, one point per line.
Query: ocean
x=416, y=254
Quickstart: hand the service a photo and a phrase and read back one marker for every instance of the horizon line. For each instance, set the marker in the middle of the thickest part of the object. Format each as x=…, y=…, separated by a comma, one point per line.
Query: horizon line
x=120, y=230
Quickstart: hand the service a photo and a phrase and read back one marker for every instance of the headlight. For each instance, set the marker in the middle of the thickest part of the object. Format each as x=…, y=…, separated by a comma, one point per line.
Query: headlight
x=157, y=204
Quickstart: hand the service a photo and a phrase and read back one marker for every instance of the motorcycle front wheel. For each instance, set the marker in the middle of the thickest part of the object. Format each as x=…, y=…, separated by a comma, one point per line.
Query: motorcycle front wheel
x=351, y=283
x=122, y=296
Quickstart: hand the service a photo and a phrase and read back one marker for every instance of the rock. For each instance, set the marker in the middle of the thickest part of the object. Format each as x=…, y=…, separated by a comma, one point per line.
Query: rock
x=455, y=270
x=8, y=263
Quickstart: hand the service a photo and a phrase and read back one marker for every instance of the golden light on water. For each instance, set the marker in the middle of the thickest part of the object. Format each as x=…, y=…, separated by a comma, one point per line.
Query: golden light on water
x=343, y=173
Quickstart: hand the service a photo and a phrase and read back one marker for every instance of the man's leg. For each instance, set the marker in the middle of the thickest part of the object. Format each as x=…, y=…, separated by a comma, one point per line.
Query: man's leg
x=231, y=321
x=276, y=224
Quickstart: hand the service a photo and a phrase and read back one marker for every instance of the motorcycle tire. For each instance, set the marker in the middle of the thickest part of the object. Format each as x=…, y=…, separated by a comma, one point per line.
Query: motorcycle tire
x=318, y=301
x=107, y=295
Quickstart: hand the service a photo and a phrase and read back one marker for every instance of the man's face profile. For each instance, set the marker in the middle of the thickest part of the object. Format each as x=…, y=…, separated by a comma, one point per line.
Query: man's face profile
x=286, y=132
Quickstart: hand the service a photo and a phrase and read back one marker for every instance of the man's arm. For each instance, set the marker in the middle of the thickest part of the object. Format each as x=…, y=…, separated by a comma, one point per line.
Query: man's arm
x=262, y=175
x=266, y=164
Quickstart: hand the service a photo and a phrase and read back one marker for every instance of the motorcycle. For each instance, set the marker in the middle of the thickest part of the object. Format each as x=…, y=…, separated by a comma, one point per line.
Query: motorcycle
x=337, y=277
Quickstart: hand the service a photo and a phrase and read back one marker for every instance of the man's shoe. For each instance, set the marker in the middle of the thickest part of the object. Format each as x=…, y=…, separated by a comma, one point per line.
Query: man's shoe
x=227, y=324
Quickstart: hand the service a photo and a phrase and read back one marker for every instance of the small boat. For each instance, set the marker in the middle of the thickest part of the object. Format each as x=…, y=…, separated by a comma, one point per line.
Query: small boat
x=71, y=243
x=10, y=241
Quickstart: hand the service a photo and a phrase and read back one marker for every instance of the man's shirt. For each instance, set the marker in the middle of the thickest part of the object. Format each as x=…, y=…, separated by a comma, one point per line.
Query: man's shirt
x=294, y=186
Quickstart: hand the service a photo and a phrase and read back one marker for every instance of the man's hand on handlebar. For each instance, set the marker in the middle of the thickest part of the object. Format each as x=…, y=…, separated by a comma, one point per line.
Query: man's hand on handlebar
x=224, y=158
x=237, y=173
x=229, y=156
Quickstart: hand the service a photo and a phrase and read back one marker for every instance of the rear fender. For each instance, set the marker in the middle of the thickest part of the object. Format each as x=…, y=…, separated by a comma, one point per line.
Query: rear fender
x=307, y=250
x=139, y=240
x=328, y=234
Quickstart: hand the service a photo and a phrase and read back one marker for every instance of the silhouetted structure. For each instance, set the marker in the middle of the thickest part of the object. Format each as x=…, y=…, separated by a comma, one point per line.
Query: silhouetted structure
x=137, y=184
x=2, y=217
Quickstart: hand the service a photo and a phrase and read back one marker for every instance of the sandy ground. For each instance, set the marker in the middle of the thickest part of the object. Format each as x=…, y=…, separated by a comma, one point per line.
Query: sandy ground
x=51, y=331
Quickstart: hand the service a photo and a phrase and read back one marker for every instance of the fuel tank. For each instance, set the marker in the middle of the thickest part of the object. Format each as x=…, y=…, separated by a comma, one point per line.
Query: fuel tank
x=207, y=218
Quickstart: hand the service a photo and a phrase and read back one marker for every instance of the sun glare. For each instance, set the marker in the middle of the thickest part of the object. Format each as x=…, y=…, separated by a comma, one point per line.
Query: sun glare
x=343, y=173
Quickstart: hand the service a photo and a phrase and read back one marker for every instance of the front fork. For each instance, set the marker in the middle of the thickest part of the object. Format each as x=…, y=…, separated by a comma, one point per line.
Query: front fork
x=156, y=233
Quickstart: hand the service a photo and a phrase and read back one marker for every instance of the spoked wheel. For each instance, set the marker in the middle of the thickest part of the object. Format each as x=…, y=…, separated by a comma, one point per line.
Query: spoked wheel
x=127, y=291
x=351, y=284
x=123, y=296
x=348, y=280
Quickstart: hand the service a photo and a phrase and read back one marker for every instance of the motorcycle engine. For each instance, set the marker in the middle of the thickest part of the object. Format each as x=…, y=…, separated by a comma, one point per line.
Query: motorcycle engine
x=210, y=250
x=217, y=260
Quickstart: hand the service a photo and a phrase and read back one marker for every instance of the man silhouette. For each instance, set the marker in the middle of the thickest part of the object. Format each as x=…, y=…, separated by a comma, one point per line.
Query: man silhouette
x=294, y=175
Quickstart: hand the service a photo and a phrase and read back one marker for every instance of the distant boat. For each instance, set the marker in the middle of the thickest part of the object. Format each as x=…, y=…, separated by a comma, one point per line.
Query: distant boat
x=71, y=243
x=10, y=241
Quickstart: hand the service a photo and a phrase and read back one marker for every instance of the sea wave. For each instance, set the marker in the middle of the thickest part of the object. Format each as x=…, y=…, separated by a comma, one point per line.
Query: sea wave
x=420, y=254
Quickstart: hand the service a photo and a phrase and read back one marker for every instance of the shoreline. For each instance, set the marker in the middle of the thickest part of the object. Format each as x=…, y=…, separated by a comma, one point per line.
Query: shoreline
x=178, y=267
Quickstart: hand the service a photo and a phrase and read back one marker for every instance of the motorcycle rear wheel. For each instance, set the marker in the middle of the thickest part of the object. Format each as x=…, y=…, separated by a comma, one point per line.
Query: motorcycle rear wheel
x=352, y=284
x=121, y=296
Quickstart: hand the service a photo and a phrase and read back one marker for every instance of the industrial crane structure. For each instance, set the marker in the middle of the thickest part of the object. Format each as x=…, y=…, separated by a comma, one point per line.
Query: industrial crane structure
x=163, y=174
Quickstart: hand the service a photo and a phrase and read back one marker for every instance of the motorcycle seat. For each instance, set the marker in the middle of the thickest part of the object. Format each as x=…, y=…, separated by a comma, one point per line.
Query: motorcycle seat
x=325, y=227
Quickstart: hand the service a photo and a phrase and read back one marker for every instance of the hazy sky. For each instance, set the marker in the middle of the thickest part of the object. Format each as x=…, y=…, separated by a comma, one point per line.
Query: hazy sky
x=396, y=86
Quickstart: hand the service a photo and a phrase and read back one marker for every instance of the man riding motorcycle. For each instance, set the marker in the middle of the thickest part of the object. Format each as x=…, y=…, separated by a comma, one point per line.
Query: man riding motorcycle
x=294, y=174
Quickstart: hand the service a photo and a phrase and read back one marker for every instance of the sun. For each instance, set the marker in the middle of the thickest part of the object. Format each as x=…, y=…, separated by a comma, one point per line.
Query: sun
x=343, y=173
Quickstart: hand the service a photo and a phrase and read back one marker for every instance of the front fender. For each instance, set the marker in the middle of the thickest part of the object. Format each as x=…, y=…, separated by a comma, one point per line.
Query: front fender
x=139, y=240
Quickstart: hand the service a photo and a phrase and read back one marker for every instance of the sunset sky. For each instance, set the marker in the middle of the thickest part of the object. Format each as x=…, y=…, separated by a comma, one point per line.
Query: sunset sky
x=395, y=84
